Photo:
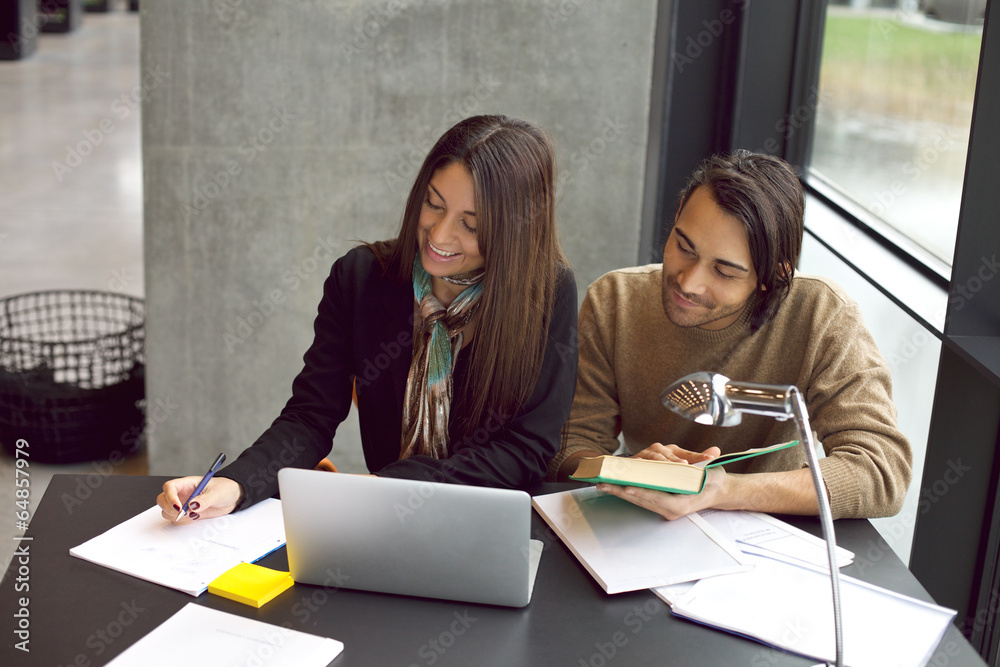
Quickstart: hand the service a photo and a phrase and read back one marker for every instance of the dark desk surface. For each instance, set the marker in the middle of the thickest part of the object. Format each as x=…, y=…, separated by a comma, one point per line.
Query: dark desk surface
x=83, y=614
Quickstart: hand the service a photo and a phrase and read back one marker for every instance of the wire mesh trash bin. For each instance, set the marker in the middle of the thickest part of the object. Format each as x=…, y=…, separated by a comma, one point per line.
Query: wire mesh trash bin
x=72, y=368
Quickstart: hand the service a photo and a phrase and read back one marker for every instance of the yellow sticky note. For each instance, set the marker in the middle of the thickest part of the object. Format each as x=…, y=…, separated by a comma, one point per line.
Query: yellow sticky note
x=251, y=584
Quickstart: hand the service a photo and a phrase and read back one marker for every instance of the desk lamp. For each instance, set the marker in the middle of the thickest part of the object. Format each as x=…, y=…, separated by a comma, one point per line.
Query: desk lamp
x=712, y=399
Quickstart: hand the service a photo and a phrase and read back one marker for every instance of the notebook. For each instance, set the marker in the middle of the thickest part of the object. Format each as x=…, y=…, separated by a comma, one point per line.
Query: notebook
x=407, y=537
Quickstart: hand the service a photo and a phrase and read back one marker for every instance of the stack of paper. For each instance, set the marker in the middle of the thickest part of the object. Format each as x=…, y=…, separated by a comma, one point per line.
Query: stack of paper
x=187, y=557
x=790, y=607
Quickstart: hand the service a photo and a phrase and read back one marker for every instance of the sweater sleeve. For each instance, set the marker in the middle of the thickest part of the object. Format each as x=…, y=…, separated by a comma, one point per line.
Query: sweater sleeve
x=868, y=462
x=595, y=418
x=513, y=451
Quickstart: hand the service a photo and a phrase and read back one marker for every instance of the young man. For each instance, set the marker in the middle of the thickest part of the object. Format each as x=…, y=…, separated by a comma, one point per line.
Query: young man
x=726, y=299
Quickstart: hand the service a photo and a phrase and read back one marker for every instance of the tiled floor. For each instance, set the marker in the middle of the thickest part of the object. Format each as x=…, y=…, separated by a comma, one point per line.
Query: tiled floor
x=70, y=189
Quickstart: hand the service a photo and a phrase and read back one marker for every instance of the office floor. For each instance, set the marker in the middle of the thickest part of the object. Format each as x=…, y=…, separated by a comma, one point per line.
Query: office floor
x=70, y=189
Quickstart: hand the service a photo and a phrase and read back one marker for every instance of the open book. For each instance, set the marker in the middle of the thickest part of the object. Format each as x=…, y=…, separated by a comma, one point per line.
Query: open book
x=660, y=475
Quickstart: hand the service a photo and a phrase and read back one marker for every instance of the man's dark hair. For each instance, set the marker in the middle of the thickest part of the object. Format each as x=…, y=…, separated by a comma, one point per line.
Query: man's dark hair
x=764, y=194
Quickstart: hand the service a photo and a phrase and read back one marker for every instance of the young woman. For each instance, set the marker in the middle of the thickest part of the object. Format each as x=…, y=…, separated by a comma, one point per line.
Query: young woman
x=458, y=337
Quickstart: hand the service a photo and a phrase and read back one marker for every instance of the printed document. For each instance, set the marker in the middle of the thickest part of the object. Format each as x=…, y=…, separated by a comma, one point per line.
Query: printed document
x=790, y=607
x=190, y=556
x=198, y=635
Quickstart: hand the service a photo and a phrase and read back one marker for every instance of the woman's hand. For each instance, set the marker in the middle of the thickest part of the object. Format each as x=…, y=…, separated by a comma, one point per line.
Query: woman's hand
x=218, y=498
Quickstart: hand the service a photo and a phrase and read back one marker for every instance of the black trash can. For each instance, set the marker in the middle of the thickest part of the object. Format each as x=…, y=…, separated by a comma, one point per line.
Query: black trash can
x=72, y=368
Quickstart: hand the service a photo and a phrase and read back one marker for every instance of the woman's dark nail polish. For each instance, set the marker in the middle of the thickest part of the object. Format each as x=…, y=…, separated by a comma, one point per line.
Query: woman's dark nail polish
x=194, y=505
x=193, y=515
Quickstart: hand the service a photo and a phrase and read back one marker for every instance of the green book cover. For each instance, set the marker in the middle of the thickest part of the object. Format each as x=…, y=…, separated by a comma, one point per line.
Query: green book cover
x=667, y=476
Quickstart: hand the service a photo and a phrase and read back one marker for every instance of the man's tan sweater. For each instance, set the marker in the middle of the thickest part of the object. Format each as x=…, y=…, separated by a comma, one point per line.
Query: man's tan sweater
x=630, y=352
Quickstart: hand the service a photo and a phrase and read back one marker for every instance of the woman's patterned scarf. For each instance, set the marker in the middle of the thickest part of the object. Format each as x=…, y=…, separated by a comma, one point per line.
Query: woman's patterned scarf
x=427, y=404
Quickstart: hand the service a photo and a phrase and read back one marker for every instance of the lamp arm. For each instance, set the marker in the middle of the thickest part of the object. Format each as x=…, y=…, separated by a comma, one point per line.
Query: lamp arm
x=797, y=406
x=770, y=400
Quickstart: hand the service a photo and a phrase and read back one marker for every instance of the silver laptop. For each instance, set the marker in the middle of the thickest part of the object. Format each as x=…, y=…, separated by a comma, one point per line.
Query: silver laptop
x=446, y=541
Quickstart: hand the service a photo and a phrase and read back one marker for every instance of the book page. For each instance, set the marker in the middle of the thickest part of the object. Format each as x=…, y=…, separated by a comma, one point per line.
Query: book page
x=198, y=635
x=186, y=557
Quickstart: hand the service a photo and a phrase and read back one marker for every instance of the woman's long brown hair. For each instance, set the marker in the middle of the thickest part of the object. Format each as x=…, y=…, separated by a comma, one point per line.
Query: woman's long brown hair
x=512, y=164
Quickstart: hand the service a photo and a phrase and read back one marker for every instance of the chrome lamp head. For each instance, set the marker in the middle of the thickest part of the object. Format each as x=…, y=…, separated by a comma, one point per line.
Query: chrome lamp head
x=715, y=400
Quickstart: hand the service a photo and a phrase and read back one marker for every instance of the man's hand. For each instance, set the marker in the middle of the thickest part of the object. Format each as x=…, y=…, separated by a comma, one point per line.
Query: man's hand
x=787, y=492
x=671, y=505
x=658, y=452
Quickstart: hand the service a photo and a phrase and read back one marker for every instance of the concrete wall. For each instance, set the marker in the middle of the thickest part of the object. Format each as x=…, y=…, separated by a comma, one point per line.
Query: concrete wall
x=283, y=131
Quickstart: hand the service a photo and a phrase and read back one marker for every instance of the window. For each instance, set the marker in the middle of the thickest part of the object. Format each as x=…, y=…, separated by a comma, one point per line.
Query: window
x=896, y=91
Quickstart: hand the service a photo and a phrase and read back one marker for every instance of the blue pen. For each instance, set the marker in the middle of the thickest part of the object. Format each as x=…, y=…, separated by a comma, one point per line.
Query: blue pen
x=201, y=485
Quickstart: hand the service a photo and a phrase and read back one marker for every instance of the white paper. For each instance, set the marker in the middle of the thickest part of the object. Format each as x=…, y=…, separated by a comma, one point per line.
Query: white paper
x=197, y=635
x=754, y=532
x=187, y=557
x=791, y=607
x=628, y=548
